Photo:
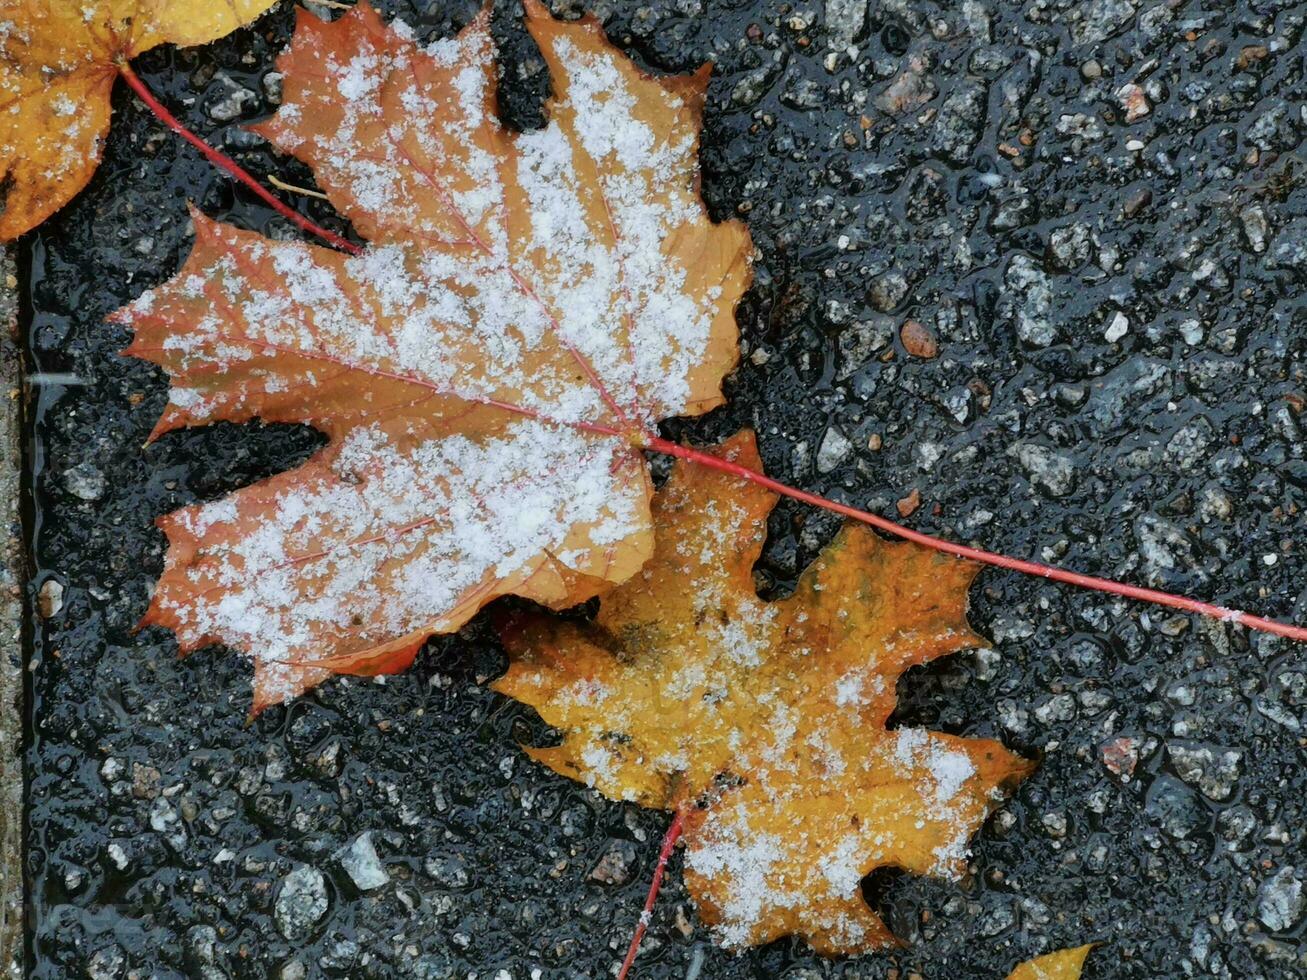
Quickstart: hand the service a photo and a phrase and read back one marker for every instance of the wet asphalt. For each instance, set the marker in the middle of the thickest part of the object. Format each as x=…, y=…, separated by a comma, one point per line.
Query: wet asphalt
x=1093, y=214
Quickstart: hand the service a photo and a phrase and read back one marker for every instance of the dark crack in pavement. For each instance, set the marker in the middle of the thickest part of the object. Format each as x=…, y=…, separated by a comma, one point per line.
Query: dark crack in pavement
x=1031, y=273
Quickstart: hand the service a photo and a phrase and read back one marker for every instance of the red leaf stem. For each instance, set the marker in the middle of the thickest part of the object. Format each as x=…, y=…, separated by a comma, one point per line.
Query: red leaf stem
x=985, y=557
x=669, y=843
x=220, y=159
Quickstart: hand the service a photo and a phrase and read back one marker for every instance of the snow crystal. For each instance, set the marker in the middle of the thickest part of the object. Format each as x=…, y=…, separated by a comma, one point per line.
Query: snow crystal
x=840, y=866
x=782, y=726
x=185, y=397
x=746, y=862
x=951, y=770
x=956, y=848
x=444, y=52
x=908, y=745
x=218, y=512
x=848, y=689
x=948, y=769
x=689, y=677
x=826, y=754
x=741, y=640
x=360, y=78
x=585, y=692
x=600, y=765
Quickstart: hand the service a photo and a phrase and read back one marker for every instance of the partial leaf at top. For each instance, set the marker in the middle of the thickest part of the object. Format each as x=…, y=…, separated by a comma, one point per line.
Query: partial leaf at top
x=58, y=62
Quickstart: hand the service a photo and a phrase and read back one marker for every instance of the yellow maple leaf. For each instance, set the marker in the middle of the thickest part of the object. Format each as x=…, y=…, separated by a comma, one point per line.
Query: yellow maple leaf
x=764, y=723
x=1065, y=964
x=526, y=309
x=58, y=62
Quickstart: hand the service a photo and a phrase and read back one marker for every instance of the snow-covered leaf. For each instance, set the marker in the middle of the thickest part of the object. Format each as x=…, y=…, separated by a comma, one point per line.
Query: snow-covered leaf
x=528, y=306
x=764, y=722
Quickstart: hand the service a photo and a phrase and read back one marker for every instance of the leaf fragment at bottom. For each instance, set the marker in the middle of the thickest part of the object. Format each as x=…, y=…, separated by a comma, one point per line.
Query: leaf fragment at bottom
x=1065, y=964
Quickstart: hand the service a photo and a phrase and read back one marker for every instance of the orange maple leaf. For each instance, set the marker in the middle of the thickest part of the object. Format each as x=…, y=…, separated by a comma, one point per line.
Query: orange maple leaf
x=763, y=723
x=528, y=306
x=58, y=62
x=1065, y=964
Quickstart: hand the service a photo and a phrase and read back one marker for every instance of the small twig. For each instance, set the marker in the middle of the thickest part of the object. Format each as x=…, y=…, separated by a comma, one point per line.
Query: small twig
x=281, y=185
x=669, y=842
x=227, y=163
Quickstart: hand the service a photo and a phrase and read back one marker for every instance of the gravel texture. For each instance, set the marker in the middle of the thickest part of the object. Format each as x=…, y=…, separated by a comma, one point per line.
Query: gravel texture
x=1093, y=210
x=12, y=573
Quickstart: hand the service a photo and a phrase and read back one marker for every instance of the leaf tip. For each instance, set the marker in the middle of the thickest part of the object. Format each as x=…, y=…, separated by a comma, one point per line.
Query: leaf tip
x=692, y=89
x=535, y=10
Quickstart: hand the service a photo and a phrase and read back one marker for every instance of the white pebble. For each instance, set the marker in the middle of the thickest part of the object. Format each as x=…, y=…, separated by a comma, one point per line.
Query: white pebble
x=1118, y=328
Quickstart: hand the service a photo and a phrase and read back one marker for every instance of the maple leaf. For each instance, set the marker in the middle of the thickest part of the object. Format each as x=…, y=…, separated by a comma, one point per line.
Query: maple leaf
x=763, y=723
x=527, y=307
x=1064, y=964
x=58, y=62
